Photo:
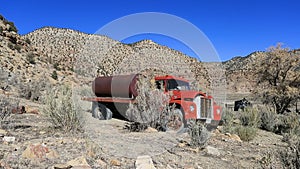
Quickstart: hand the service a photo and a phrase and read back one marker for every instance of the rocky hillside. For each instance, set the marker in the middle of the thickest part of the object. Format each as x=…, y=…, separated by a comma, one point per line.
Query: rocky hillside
x=20, y=62
x=240, y=76
x=90, y=55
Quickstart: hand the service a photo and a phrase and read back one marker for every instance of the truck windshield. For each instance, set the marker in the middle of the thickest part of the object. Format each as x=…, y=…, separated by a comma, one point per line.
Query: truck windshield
x=177, y=85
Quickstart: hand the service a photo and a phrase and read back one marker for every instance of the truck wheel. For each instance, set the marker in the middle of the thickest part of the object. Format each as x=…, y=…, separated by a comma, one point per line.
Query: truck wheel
x=176, y=121
x=100, y=111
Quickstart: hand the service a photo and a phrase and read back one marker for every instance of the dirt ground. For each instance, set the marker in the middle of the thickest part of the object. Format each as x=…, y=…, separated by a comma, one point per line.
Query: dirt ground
x=105, y=144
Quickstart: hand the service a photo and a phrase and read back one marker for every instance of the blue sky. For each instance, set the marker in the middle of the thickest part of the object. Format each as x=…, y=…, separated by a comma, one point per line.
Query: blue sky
x=234, y=27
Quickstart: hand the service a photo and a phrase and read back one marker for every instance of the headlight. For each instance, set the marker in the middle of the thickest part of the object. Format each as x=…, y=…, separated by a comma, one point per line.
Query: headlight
x=192, y=108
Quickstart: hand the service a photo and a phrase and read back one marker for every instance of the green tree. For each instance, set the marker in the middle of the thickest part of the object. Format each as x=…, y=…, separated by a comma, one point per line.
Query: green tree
x=278, y=77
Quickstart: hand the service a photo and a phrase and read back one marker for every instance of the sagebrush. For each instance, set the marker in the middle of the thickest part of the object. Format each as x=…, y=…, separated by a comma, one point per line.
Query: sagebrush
x=267, y=118
x=61, y=111
x=244, y=123
x=151, y=107
x=198, y=133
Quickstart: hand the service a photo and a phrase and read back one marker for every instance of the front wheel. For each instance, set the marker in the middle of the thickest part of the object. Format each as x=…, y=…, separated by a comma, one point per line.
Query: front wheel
x=175, y=121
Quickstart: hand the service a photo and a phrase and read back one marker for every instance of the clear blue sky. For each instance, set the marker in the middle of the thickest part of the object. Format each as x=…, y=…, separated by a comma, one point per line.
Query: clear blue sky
x=235, y=27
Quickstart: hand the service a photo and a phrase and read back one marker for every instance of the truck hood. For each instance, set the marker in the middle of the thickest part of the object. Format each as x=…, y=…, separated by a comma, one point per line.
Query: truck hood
x=184, y=94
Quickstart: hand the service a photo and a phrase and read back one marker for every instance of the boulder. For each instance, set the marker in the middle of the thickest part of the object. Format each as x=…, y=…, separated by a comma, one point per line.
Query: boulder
x=151, y=130
x=212, y=151
x=9, y=139
x=144, y=162
x=115, y=162
x=236, y=121
x=79, y=162
x=101, y=163
x=235, y=137
x=39, y=151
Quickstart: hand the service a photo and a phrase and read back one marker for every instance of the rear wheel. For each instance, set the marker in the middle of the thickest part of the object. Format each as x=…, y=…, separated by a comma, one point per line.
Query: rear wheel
x=176, y=121
x=100, y=111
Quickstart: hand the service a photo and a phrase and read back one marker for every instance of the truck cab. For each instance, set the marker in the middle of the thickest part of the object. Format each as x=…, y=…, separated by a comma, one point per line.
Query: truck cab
x=189, y=104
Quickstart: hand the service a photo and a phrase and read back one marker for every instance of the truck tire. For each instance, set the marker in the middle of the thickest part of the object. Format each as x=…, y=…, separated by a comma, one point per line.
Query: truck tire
x=176, y=122
x=100, y=111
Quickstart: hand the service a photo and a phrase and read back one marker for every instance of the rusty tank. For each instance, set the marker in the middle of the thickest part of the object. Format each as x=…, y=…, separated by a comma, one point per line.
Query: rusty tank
x=123, y=86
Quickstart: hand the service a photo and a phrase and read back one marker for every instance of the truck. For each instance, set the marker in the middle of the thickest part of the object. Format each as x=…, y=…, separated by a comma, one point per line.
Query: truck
x=115, y=93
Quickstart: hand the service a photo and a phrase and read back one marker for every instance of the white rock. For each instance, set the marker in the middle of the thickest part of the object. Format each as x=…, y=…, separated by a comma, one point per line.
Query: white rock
x=144, y=162
x=212, y=151
x=9, y=139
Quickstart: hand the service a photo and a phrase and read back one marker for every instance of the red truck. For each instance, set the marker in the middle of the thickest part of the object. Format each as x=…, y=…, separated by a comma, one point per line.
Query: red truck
x=113, y=93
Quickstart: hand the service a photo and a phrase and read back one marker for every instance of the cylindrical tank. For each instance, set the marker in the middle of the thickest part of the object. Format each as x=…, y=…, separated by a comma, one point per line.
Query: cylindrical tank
x=123, y=86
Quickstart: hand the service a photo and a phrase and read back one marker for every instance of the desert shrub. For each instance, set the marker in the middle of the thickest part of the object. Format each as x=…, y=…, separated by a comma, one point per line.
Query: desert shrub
x=54, y=75
x=150, y=108
x=30, y=58
x=7, y=105
x=291, y=137
x=286, y=123
x=228, y=118
x=250, y=117
x=246, y=133
x=244, y=124
x=267, y=118
x=61, y=110
x=12, y=27
x=18, y=48
x=268, y=160
x=198, y=133
x=56, y=66
x=290, y=157
x=1, y=29
x=33, y=90
x=27, y=40
x=11, y=45
x=250, y=121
